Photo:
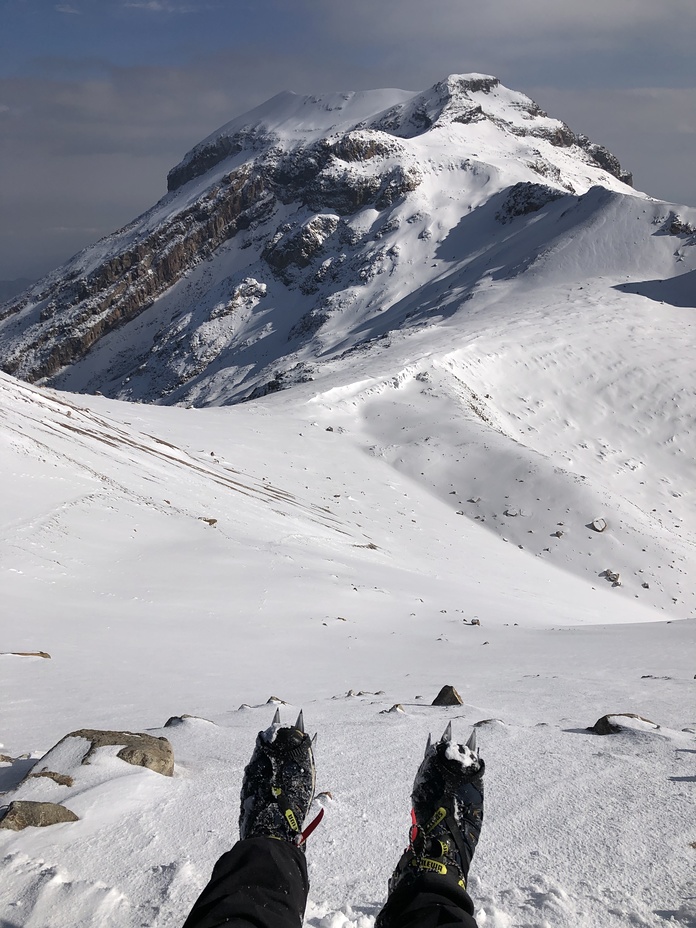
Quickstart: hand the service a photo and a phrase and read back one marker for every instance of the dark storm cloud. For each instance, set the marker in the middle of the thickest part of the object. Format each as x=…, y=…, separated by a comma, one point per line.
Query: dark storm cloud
x=86, y=138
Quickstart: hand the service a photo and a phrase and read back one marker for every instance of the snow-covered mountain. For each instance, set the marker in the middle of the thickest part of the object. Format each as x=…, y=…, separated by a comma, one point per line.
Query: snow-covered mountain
x=455, y=251
x=305, y=228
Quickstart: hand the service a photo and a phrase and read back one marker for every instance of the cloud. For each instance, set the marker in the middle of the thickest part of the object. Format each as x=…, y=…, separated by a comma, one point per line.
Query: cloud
x=503, y=19
x=586, y=43
x=165, y=6
x=66, y=8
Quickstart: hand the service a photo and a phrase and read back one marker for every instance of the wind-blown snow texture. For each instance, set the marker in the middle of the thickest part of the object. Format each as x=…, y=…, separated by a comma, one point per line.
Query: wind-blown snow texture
x=454, y=420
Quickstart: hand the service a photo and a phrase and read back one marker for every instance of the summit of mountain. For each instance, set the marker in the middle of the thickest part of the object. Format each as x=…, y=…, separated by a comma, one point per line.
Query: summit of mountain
x=290, y=120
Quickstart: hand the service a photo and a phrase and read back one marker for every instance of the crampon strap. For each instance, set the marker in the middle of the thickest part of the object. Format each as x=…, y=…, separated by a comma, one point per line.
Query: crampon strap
x=303, y=835
x=413, y=830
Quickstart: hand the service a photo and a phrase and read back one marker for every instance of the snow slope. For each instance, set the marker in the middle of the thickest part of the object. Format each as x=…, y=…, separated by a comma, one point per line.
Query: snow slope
x=328, y=569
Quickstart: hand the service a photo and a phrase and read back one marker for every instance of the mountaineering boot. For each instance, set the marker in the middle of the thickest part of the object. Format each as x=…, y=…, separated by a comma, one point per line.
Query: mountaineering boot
x=447, y=814
x=278, y=785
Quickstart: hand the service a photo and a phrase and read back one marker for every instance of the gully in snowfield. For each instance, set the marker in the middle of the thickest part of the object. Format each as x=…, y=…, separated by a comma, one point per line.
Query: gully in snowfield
x=262, y=882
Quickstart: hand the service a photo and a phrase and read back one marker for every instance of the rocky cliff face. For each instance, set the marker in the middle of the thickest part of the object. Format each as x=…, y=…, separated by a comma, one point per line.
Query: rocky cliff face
x=313, y=204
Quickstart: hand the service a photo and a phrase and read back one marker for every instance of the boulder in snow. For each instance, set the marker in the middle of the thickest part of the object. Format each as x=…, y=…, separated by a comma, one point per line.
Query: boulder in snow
x=612, y=576
x=79, y=747
x=448, y=696
x=23, y=814
x=181, y=719
x=613, y=724
x=397, y=707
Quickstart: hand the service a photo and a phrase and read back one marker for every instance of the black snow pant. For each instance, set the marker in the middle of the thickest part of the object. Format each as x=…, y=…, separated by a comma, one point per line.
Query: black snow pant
x=262, y=883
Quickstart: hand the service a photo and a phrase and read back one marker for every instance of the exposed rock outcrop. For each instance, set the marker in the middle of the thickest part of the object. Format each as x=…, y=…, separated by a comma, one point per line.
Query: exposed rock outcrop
x=297, y=246
x=611, y=724
x=604, y=158
x=126, y=284
x=526, y=198
x=139, y=749
x=62, y=779
x=24, y=814
x=675, y=225
x=396, y=708
x=176, y=720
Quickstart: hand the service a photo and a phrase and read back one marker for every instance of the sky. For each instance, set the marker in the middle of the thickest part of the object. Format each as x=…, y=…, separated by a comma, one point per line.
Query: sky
x=100, y=98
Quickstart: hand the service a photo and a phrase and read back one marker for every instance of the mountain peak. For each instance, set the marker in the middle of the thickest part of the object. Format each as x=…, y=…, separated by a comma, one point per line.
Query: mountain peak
x=291, y=120
x=289, y=230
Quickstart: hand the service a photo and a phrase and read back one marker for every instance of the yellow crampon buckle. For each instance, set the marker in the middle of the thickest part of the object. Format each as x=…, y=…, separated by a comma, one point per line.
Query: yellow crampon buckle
x=288, y=814
x=439, y=816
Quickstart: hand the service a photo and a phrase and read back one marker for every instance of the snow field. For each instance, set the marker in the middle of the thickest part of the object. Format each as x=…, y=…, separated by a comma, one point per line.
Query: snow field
x=572, y=829
x=148, y=611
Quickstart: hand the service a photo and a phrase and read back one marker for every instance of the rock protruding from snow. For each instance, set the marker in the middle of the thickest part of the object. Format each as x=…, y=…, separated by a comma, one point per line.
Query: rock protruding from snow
x=79, y=747
x=25, y=814
x=675, y=225
x=618, y=721
x=526, y=198
x=397, y=707
x=448, y=696
x=43, y=654
x=613, y=576
x=297, y=246
x=175, y=720
x=62, y=779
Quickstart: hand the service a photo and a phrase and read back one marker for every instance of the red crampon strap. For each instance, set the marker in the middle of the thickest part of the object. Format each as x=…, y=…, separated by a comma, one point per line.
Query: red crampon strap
x=303, y=835
x=413, y=830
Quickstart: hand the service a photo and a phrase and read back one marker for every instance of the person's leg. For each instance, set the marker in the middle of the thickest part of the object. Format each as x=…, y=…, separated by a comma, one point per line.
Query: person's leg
x=428, y=887
x=262, y=882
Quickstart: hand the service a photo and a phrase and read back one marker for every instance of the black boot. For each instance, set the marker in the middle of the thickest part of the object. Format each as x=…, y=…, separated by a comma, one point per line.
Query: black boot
x=428, y=886
x=278, y=785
